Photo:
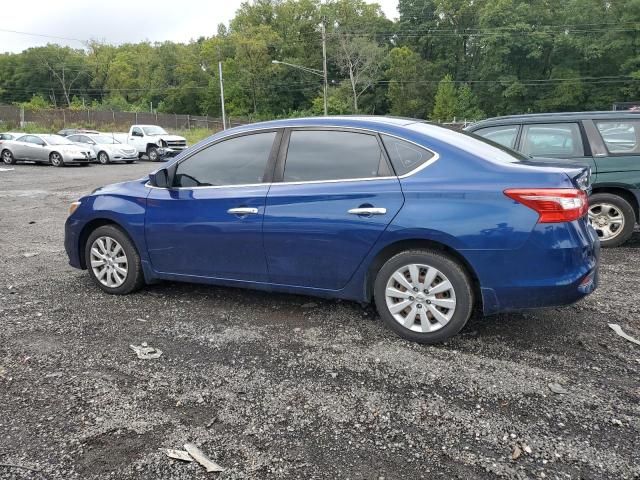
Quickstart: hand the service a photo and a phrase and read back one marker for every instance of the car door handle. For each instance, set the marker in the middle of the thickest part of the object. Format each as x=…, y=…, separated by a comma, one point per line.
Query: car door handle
x=243, y=211
x=368, y=211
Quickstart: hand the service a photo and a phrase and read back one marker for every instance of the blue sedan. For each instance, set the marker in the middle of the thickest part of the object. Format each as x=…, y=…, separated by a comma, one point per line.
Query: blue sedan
x=427, y=222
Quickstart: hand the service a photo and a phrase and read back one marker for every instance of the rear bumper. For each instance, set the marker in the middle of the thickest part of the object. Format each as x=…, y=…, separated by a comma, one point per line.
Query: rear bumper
x=557, y=266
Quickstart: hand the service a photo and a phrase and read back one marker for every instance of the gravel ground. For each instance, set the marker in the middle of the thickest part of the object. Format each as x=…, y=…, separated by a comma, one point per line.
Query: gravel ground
x=279, y=386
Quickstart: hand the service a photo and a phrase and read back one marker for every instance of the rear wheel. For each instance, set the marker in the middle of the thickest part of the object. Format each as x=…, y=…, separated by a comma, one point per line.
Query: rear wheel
x=113, y=261
x=612, y=217
x=423, y=295
x=7, y=157
x=55, y=159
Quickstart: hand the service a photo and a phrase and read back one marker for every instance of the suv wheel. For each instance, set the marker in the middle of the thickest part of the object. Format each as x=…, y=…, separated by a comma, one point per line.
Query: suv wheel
x=612, y=217
x=113, y=261
x=423, y=296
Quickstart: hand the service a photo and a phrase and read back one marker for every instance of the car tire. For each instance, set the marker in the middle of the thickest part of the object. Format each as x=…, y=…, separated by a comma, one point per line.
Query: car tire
x=428, y=317
x=604, y=210
x=106, y=276
x=152, y=154
x=8, y=158
x=103, y=158
x=55, y=159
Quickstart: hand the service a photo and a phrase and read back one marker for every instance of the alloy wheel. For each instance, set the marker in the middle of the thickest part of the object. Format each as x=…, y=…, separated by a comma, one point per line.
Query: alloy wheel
x=420, y=298
x=56, y=159
x=103, y=158
x=109, y=262
x=607, y=220
x=7, y=157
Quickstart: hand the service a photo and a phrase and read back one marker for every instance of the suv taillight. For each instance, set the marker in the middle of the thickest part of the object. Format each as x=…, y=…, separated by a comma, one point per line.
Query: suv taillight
x=554, y=205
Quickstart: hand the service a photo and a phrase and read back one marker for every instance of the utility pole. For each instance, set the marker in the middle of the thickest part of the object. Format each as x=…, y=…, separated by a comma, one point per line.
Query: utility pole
x=324, y=63
x=224, y=120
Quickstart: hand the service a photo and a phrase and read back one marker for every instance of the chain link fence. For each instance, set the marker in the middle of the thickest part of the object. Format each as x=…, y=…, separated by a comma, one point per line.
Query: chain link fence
x=12, y=116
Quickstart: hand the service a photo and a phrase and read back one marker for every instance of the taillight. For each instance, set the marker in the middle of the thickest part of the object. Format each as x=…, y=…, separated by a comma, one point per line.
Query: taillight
x=554, y=205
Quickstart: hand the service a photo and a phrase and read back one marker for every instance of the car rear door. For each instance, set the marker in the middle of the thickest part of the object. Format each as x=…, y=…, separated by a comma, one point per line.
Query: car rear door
x=21, y=148
x=210, y=223
x=616, y=145
x=333, y=197
x=562, y=140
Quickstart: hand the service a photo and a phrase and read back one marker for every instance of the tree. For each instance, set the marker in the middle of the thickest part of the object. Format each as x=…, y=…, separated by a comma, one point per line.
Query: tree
x=467, y=104
x=445, y=108
x=408, y=95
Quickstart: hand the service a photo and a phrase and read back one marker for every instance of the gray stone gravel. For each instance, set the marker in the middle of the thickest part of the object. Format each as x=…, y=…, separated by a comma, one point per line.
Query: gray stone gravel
x=277, y=386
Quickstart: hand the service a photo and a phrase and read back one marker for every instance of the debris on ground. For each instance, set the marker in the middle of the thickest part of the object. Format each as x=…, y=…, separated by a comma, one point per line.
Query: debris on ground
x=310, y=305
x=516, y=452
x=29, y=254
x=618, y=329
x=202, y=459
x=145, y=352
x=178, y=455
x=557, y=388
x=2, y=169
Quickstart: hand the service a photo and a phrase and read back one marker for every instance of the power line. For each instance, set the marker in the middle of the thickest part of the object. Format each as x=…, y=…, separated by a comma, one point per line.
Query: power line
x=31, y=34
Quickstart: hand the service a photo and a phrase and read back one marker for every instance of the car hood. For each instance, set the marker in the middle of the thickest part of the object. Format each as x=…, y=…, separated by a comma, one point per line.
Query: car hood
x=172, y=138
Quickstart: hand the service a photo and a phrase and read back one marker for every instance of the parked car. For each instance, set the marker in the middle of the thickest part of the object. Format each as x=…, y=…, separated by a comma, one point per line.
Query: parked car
x=152, y=141
x=425, y=221
x=106, y=149
x=53, y=149
x=609, y=142
x=73, y=131
x=10, y=135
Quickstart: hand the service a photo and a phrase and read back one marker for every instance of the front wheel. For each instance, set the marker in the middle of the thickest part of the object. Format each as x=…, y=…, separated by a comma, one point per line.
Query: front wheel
x=423, y=295
x=7, y=157
x=612, y=217
x=55, y=159
x=103, y=158
x=113, y=261
x=152, y=153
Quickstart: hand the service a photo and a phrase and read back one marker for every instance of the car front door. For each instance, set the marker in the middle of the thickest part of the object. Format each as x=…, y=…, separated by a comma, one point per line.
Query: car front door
x=136, y=139
x=209, y=224
x=40, y=152
x=565, y=141
x=334, y=196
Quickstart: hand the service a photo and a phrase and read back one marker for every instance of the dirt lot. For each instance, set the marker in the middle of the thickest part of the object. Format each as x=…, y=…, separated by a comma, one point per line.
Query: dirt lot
x=277, y=386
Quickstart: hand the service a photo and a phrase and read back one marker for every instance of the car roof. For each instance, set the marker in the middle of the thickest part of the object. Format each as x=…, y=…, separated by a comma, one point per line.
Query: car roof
x=554, y=117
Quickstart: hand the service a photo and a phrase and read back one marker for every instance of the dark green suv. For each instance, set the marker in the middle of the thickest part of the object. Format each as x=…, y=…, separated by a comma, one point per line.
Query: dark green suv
x=607, y=141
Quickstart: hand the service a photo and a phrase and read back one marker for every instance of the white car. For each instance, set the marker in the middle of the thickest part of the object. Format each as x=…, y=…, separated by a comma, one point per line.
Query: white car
x=106, y=148
x=53, y=149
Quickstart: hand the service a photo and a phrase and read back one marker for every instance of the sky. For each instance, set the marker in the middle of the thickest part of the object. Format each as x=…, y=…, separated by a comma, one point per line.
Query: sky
x=118, y=21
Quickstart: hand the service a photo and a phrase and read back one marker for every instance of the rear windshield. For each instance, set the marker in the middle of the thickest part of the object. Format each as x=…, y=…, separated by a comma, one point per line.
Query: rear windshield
x=470, y=142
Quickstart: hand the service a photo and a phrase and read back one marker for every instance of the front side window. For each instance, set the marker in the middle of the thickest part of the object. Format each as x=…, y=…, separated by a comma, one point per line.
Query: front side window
x=405, y=156
x=316, y=155
x=504, y=135
x=137, y=132
x=237, y=161
x=552, y=140
x=35, y=140
x=620, y=136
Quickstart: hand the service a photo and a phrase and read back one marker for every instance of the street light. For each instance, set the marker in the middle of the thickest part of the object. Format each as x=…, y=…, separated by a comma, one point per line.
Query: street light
x=313, y=71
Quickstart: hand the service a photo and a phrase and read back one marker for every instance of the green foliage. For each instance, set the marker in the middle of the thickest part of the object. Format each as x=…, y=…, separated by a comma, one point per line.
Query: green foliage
x=37, y=102
x=507, y=56
x=446, y=104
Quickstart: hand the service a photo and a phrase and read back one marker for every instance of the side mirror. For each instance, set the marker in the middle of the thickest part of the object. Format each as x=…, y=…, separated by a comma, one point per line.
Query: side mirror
x=160, y=178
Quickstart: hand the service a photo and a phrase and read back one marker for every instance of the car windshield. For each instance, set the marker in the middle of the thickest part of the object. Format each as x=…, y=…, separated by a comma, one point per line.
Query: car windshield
x=102, y=139
x=154, y=130
x=56, y=140
x=470, y=142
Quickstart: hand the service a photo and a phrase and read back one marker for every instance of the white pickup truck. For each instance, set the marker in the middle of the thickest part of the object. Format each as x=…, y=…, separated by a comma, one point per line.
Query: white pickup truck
x=152, y=141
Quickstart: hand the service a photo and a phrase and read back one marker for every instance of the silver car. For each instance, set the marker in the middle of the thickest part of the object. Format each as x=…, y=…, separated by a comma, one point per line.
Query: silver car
x=105, y=148
x=53, y=149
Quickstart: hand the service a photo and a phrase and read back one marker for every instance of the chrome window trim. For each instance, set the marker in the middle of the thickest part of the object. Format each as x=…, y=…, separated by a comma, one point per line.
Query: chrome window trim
x=432, y=160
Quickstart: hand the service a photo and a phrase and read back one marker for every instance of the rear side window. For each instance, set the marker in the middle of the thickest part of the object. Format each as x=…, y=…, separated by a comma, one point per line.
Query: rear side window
x=562, y=140
x=237, y=161
x=504, y=135
x=620, y=136
x=316, y=155
x=405, y=156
